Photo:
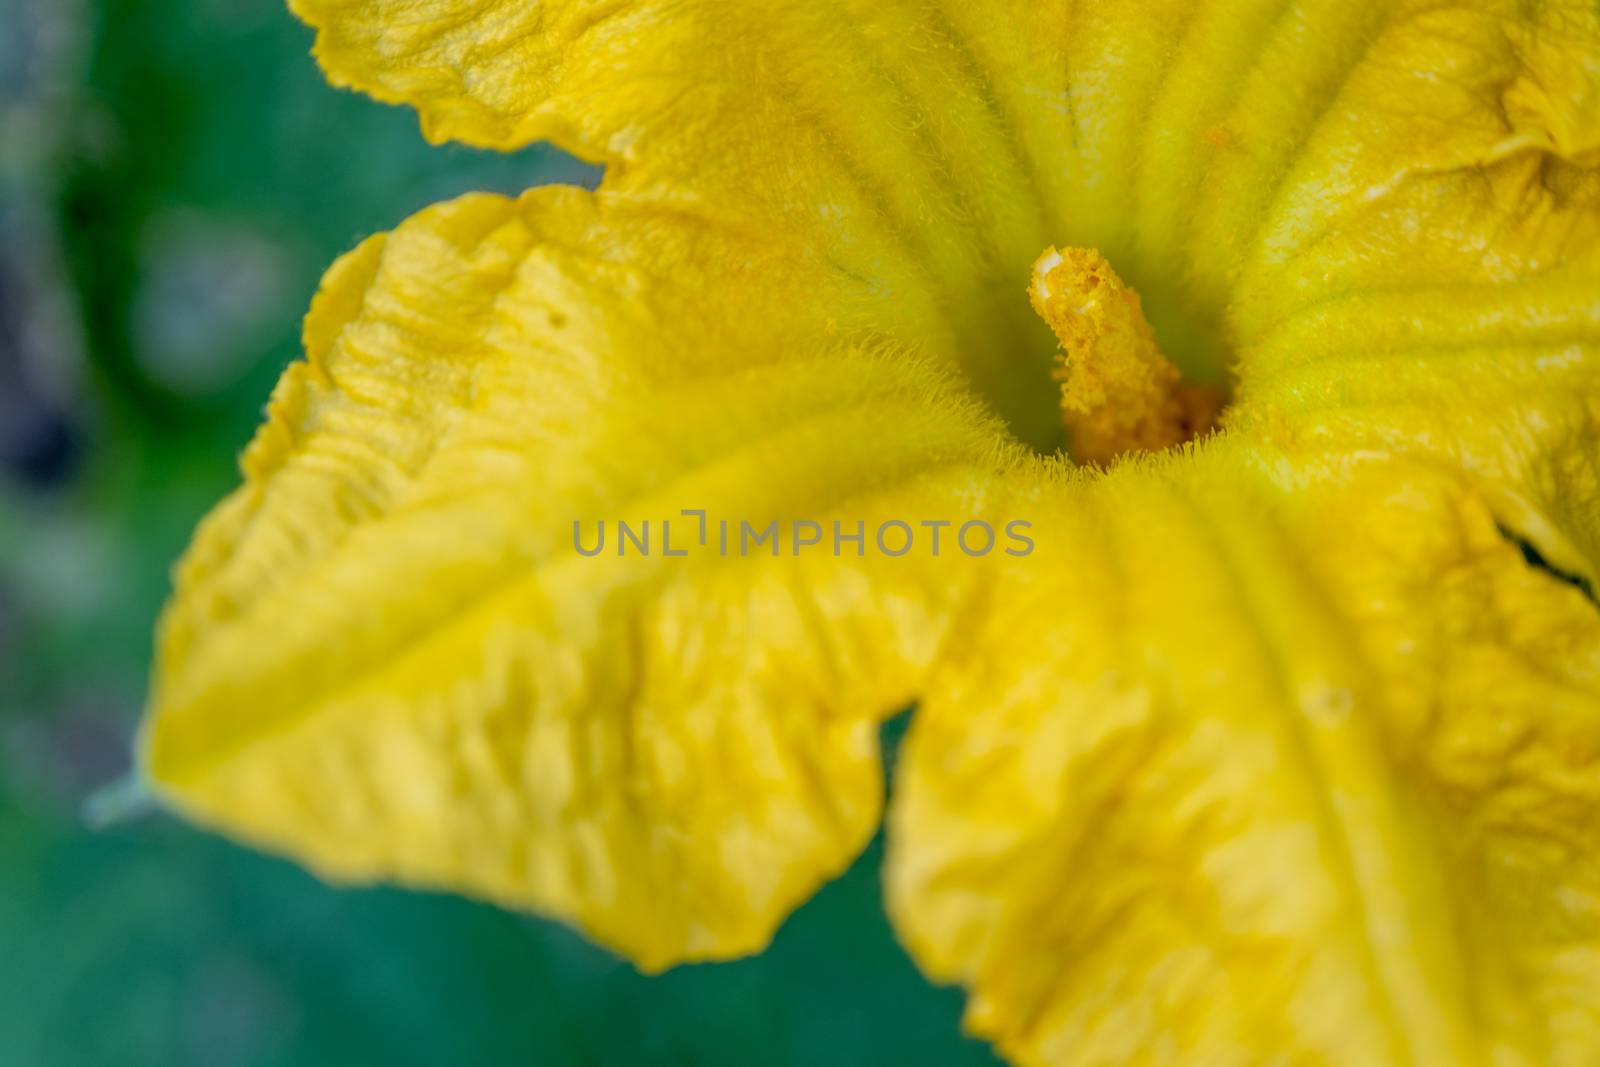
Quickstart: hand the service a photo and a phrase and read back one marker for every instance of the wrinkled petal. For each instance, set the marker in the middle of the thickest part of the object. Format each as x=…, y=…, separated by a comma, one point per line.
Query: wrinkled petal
x=882, y=136
x=1265, y=762
x=385, y=658
x=1425, y=278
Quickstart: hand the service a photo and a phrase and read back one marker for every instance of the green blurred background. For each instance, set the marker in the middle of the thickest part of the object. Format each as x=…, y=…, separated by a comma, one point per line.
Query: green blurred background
x=174, y=176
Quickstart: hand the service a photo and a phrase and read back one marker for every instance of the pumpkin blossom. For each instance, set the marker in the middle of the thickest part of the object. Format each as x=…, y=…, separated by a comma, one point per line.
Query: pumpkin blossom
x=1278, y=323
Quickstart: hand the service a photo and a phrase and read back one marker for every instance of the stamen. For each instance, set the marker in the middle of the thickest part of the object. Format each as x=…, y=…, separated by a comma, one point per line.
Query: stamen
x=1119, y=394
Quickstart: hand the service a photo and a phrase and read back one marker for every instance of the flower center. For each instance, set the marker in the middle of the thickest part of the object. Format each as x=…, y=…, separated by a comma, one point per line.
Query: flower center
x=1119, y=394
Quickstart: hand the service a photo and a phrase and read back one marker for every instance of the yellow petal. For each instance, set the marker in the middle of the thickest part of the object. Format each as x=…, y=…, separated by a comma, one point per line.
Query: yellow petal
x=1425, y=276
x=1277, y=763
x=881, y=137
x=385, y=657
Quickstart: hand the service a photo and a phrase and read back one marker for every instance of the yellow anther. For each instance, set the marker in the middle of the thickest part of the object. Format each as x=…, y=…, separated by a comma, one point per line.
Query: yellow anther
x=1119, y=394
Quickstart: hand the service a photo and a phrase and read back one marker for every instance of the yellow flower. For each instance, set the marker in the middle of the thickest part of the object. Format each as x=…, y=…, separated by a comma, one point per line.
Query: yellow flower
x=1282, y=746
